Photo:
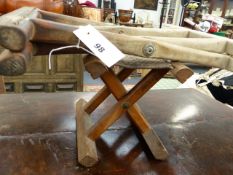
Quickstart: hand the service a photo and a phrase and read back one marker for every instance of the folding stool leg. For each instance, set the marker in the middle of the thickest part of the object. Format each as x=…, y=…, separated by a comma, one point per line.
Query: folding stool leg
x=125, y=104
x=157, y=148
x=2, y=85
x=97, y=69
x=87, y=152
x=105, y=92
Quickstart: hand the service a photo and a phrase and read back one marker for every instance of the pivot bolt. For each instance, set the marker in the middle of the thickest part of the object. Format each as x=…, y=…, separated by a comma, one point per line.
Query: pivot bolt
x=148, y=50
x=125, y=106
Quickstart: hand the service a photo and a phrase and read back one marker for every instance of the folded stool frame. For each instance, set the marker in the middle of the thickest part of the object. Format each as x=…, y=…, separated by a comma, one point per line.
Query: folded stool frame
x=87, y=133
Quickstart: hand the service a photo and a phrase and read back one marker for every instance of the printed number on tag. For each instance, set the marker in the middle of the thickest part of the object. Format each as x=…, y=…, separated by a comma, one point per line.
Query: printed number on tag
x=99, y=45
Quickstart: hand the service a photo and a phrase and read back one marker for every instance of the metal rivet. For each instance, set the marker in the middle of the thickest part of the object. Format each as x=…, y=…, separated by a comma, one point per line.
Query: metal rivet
x=125, y=106
x=148, y=50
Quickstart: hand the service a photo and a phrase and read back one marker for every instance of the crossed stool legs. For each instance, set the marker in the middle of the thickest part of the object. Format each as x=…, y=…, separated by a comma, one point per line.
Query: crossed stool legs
x=88, y=133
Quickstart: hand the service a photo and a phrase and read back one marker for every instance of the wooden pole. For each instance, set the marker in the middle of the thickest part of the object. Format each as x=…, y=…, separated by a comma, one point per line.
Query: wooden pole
x=15, y=63
x=2, y=85
x=162, y=12
x=14, y=32
x=224, y=8
x=212, y=4
x=181, y=72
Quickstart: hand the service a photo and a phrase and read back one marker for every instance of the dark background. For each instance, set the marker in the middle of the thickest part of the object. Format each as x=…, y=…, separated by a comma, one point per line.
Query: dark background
x=146, y=4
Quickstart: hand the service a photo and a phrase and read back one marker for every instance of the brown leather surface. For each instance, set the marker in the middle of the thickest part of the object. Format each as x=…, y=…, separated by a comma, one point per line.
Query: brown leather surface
x=38, y=136
x=2, y=6
x=48, y=5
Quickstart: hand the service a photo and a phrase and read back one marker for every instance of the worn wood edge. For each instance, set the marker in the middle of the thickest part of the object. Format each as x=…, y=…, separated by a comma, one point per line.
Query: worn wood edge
x=15, y=63
x=12, y=64
x=87, y=152
x=155, y=144
x=14, y=33
x=12, y=38
x=94, y=66
x=181, y=72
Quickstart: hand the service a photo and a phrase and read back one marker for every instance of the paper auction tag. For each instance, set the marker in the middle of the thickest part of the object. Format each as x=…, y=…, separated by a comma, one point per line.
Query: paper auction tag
x=99, y=45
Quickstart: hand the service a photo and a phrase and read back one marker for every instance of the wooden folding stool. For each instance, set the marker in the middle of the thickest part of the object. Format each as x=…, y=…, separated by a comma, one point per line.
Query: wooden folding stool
x=88, y=133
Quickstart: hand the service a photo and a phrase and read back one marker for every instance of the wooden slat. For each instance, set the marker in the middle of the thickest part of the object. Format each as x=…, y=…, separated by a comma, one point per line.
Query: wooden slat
x=2, y=85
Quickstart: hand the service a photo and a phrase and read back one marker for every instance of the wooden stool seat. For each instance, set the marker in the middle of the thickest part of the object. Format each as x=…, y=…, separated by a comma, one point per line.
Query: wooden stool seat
x=87, y=133
x=136, y=62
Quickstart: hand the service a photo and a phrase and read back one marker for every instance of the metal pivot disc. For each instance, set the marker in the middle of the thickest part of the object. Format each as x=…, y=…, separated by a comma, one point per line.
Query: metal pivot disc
x=148, y=50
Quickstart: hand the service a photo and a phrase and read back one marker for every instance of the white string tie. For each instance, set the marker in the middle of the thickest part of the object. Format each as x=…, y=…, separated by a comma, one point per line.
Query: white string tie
x=67, y=47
